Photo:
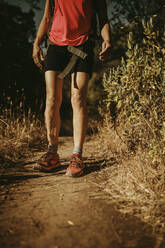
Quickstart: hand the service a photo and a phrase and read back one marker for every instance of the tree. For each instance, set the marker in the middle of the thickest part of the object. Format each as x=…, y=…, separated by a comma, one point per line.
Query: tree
x=16, y=52
x=133, y=10
x=32, y=3
x=126, y=16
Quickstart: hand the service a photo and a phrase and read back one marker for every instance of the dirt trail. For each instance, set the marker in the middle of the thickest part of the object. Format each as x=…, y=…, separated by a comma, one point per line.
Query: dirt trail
x=39, y=210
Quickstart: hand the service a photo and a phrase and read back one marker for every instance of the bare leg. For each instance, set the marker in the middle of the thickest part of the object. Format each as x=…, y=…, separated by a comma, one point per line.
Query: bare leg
x=53, y=104
x=79, y=95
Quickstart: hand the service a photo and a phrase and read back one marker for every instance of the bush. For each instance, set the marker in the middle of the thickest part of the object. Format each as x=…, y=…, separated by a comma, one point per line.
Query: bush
x=136, y=92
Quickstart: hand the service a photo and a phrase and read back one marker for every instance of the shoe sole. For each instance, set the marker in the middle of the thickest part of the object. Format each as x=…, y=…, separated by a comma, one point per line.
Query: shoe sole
x=39, y=167
x=74, y=175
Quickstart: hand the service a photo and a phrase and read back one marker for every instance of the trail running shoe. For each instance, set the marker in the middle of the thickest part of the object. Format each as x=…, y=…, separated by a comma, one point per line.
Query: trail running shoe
x=49, y=162
x=76, y=167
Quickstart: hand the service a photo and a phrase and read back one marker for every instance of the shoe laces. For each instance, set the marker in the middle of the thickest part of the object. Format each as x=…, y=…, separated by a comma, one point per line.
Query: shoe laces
x=48, y=156
x=76, y=162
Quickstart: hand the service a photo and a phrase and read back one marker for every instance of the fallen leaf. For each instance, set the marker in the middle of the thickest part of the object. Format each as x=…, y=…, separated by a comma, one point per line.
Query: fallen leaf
x=70, y=223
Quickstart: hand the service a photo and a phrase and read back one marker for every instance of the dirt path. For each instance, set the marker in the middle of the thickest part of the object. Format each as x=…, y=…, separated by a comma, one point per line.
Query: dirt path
x=40, y=210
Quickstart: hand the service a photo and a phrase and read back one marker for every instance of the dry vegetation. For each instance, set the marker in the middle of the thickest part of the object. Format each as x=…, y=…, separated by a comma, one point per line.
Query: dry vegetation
x=21, y=133
x=134, y=130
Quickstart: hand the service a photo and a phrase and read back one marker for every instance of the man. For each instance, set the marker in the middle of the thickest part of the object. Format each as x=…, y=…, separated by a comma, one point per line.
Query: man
x=71, y=26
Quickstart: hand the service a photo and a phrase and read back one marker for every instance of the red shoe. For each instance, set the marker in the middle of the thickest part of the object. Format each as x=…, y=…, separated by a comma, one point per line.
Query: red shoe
x=48, y=163
x=76, y=167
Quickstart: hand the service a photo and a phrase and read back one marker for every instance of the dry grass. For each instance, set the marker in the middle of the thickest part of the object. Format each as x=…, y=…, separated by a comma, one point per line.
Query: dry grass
x=136, y=185
x=21, y=133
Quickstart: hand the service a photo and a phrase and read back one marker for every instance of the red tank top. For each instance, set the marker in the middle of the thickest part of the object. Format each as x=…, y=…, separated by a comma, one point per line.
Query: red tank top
x=71, y=22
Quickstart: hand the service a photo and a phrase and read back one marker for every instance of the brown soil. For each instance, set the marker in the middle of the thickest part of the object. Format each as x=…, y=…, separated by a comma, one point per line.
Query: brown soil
x=39, y=210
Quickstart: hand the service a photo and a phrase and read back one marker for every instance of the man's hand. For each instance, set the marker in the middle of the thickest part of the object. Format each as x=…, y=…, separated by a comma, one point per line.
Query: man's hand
x=106, y=46
x=37, y=56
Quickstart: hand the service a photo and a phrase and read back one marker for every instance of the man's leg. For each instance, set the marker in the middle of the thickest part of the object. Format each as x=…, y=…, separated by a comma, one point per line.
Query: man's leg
x=50, y=160
x=53, y=104
x=78, y=99
x=79, y=96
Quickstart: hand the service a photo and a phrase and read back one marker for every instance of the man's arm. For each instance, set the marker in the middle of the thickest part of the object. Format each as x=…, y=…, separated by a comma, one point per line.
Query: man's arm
x=101, y=10
x=42, y=31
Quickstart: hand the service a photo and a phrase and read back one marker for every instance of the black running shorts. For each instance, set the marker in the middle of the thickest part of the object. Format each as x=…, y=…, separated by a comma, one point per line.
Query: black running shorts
x=58, y=57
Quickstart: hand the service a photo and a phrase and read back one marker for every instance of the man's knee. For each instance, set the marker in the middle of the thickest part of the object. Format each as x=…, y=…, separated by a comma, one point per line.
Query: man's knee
x=78, y=99
x=53, y=102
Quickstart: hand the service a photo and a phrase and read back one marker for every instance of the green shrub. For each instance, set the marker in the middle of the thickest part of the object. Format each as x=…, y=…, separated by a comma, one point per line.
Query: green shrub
x=136, y=92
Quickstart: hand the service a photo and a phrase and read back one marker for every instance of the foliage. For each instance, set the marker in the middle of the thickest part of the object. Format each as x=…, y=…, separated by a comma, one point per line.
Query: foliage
x=16, y=22
x=32, y=3
x=128, y=14
x=136, y=92
x=132, y=10
x=16, y=53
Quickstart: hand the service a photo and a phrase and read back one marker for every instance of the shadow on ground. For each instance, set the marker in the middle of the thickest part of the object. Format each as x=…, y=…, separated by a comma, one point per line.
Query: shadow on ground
x=25, y=172
x=12, y=179
x=97, y=165
x=124, y=230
